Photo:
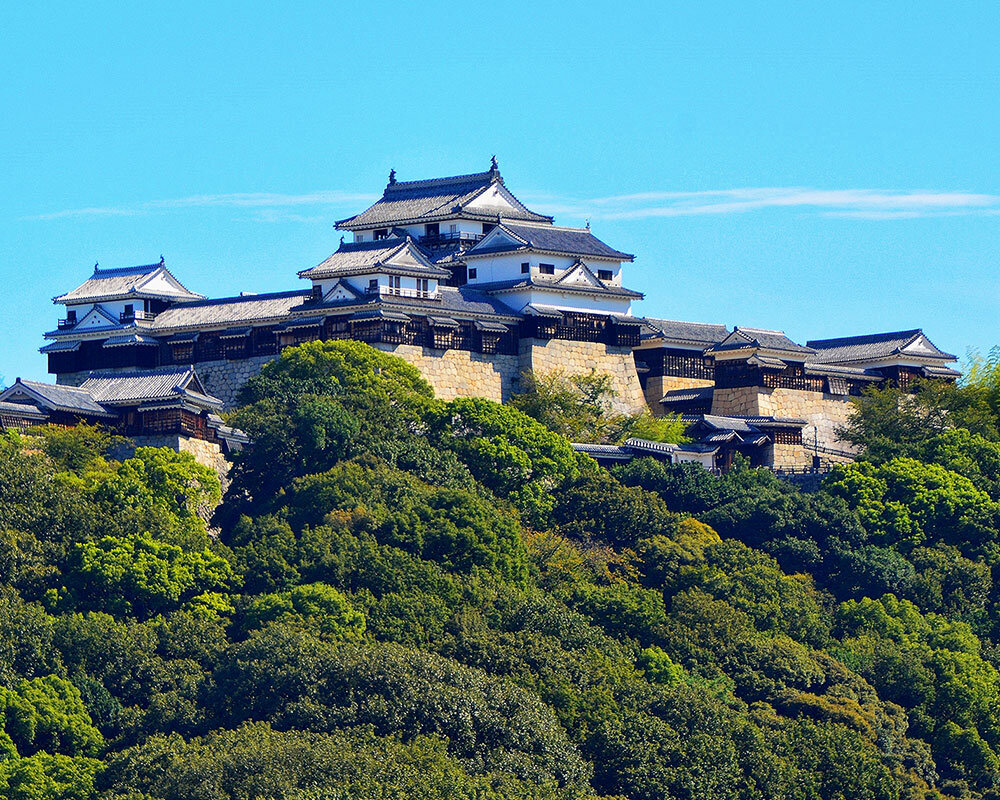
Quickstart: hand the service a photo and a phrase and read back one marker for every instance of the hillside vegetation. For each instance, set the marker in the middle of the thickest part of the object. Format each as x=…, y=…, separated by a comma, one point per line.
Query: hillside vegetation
x=406, y=598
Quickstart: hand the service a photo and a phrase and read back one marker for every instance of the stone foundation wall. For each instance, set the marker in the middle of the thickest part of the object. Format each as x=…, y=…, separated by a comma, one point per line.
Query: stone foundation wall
x=208, y=454
x=222, y=379
x=546, y=355
x=461, y=373
x=823, y=413
x=659, y=385
x=783, y=456
x=455, y=373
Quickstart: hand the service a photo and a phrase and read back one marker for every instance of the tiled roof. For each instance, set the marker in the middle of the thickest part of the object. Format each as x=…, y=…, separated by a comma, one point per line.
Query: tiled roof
x=438, y=198
x=840, y=371
x=877, y=346
x=537, y=282
x=549, y=239
x=744, y=424
x=742, y=338
x=687, y=395
x=169, y=383
x=463, y=300
x=23, y=411
x=401, y=255
x=698, y=333
x=123, y=281
x=227, y=311
x=72, y=399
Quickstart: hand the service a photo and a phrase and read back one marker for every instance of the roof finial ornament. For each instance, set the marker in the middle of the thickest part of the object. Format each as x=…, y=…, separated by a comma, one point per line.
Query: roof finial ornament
x=341, y=241
x=392, y=177
x=161, y=259
x=97, y=264
x=588, y=223
x=493, y=164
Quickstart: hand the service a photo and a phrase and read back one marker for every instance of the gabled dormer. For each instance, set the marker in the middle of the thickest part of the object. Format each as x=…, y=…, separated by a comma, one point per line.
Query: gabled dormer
x=456, y=209
x=893, y=354
x=127, y=295
x=760, y=347
x=395, y=266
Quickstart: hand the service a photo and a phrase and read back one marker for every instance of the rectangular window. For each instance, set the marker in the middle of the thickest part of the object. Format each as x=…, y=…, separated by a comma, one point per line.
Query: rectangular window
x=605, y=274
x=395, y=284
x=473, y=273
x=71, y=315
x=487, y=227
x=381, y=233
x=423, y=287
x=373, y=285
x=547, y=269
x=129, y=310
x=359, y=237
x=525, y=268
x=453, y=229
x=432, y=229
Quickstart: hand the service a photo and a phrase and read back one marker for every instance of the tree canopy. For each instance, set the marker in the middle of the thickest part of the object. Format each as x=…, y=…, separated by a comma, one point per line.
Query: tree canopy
x=405, y=597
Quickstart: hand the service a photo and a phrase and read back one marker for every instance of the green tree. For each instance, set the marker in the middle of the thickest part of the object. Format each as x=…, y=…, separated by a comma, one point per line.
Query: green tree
x=47, y=714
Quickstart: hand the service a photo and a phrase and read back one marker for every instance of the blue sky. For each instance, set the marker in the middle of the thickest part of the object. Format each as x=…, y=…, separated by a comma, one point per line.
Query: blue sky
x=827, y=169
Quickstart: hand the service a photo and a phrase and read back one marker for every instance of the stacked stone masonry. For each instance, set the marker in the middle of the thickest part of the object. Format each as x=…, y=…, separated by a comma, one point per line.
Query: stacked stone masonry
x=659, y=385
x=823, y=413
x=460, y=373
x=542, y=356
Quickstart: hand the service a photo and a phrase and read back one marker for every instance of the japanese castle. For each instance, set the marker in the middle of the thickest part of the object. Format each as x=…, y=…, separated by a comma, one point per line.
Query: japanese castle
x=460, y=278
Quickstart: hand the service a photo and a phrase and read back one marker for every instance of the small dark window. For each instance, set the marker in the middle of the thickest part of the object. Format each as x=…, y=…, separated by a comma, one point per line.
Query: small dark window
x=71, y=316
x=373, y=285
x=487, y=227
x=129, y=310
x=525, y=268
x=381, y=233
x=432, y=229
x=472, y=273
x=604, y=274
x=547, y=269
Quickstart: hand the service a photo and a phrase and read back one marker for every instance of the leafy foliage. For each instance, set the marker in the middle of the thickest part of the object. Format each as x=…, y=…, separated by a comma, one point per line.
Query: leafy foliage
x=403, y=597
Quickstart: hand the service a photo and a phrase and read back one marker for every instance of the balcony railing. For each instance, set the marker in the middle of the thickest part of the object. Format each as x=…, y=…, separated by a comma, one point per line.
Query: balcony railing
x=449, y=237
x=138, y=314
x=403, y=292
x=69, y=322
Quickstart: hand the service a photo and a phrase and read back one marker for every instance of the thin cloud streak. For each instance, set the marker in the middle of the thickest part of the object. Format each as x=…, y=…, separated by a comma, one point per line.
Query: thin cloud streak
x=256, y=200
x=869, y=204
x=855, y=203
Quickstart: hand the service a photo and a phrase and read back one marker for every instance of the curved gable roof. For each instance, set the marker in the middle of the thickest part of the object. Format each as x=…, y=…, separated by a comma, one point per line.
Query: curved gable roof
x=878, y=346
x=510, y=237
x=125, y=281
x=440, y=198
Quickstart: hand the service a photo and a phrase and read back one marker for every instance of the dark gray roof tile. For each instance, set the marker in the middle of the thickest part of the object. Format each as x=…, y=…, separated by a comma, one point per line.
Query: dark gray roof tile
x=438, y=198
x=877, y=346
x=549, y=239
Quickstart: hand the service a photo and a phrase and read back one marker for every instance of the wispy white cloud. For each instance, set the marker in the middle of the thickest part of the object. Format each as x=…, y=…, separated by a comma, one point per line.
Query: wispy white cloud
x=871, y=204
x=856, y=203
x=264, y=201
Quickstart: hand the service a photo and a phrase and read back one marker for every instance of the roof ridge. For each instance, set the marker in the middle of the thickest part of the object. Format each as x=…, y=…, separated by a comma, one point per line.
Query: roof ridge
x=909, y=334
x=686, y=322
x=212, y=301
x=743, y=328
x=531, y=223
x=140, y=269
x=61, y=386
x=429, y=182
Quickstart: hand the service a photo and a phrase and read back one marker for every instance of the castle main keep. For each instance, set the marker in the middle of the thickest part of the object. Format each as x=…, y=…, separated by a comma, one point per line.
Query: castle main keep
x=461, y=279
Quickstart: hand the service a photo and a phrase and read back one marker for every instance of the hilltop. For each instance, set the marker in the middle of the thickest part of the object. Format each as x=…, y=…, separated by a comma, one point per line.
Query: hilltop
x=404, y=596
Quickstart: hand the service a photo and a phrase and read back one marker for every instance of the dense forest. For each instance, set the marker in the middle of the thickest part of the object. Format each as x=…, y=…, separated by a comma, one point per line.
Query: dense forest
x=401, y=597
